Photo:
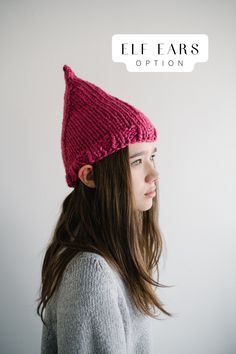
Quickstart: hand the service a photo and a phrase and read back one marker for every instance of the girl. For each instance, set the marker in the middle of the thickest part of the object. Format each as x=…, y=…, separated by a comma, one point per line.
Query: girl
x=97, y=274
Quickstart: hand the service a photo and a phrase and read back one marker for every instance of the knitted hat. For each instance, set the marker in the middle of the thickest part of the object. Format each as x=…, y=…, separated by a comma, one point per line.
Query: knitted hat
x=96, y=124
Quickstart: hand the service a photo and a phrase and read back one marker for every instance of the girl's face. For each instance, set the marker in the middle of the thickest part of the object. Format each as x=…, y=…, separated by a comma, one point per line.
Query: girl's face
x=143, y=172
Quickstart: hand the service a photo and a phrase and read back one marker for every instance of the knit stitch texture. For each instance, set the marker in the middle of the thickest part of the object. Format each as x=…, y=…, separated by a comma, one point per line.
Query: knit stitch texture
x=96, y=124
x=92, y=313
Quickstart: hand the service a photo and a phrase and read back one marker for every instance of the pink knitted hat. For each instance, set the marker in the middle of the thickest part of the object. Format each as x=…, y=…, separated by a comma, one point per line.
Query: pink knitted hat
x=96, y=124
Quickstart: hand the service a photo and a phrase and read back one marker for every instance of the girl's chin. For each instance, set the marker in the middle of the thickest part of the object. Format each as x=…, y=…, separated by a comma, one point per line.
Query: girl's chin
x=146, y=207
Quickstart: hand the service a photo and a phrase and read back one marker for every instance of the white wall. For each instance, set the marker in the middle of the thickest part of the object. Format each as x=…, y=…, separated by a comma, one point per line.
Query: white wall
x=195, y=115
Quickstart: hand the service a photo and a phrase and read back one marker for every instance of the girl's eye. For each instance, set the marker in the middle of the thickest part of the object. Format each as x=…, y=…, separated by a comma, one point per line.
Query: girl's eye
x=134, y=163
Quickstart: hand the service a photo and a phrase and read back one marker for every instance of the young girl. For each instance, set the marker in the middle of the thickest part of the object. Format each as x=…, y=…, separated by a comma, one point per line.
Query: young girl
x=97, y=274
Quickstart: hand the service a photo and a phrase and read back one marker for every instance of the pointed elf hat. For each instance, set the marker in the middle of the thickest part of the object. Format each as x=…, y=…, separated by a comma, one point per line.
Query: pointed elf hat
x=96, y=124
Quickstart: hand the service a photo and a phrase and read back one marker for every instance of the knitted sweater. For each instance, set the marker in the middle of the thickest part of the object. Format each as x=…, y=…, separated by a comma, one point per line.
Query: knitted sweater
x=92, y=312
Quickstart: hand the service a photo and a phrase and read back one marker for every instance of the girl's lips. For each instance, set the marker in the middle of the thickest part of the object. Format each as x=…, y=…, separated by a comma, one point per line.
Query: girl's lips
x=151, y=194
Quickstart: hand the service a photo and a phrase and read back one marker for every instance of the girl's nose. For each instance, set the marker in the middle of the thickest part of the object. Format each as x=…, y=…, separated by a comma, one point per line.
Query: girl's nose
x=155, y=173
x=153, y=176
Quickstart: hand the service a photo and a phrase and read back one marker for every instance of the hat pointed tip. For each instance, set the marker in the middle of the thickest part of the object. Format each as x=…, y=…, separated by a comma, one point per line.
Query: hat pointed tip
x=68, y=71
x=66, y=67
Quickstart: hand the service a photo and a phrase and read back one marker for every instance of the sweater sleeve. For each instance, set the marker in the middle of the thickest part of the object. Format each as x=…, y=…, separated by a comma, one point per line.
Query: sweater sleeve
x=89, y=320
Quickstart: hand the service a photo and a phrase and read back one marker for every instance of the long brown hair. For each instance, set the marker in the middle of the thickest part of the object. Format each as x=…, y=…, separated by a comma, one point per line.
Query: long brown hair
x=103, y=220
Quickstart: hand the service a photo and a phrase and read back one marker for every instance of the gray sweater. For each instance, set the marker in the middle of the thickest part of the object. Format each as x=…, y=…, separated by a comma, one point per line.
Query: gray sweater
x=92, y=313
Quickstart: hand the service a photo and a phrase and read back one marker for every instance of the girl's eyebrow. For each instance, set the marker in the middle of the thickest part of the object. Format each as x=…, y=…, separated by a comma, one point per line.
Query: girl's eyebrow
x=142, y=153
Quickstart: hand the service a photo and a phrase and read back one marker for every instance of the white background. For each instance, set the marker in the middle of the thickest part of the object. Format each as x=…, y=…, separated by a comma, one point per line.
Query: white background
x=195, y=117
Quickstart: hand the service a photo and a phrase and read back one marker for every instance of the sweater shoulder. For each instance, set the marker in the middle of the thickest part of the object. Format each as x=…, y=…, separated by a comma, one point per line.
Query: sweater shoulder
x=88, y=274
x=88, y=262
x=88, y=259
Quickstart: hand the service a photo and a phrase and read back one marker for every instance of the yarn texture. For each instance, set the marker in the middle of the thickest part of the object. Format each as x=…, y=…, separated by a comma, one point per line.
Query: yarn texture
x=96, y=124
x=92, y=313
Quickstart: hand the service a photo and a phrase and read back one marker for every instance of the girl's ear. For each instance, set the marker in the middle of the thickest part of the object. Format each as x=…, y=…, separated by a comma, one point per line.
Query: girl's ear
x=85, y=174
